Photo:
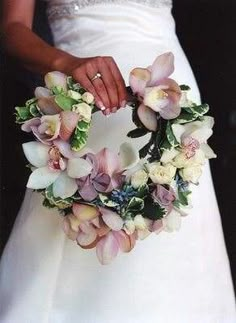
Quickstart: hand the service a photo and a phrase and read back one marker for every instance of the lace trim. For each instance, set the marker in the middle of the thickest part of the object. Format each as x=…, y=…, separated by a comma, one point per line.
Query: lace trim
x=59, y=10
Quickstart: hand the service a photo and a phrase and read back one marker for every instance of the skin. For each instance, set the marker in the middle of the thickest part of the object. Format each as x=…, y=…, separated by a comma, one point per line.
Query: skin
x=109, y=91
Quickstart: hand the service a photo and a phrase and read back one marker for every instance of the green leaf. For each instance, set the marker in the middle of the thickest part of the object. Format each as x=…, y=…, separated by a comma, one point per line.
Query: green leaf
x=142, y=191
x=106, y=201
x=184, y=87
x=199, y=110
x=136, y=204
x=144, y=150
x=30, y=101
x=79, y=139
x=57, y=201
x=183, y=197
x=153, y=210
x=83, y=126
x=34, y=110
x=57, y=90
x=185, y=117
x=165, y=145
x=64, y=102
x=136, y=133
x=22, y=114
x=170, y=135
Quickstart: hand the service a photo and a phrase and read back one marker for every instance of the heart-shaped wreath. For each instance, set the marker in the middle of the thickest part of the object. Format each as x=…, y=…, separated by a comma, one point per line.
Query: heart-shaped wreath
x=109, y=200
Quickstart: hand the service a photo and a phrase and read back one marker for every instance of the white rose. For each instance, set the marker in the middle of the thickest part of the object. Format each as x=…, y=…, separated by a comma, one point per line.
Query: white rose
x=88, y=97
x=191, y=174
x=153, y=96
x=172, y=221
x=84, y=110
x=139, y=178
x=74, y=95
x=129, y=226
x=161, y=174
x=140, y=223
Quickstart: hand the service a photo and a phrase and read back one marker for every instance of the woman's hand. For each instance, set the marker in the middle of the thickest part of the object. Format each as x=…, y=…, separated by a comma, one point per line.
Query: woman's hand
x=109, y=90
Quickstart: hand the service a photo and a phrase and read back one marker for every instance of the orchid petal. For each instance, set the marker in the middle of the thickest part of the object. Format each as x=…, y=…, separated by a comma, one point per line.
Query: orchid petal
x=112, y=219
x=27, y=125
x=70, y=226
x=56, y=79
x=107, y=249
x=48, y=106
x=202, y=134
x=124, y=240
x=170, y=111
x=162, y=67
x=85, y=212
x=209, y=153
x=42, y=92
x=65, y=149
x=178, y=131
x=129, y=156
x=69, y=121
x=36, y=153
x=42, y=177
x=78, y=167
x=108, y=162
x=86, y=189
x=148, y=117
x=64, y=186
x=87, y=237
x=101, y=182
x=138, y=80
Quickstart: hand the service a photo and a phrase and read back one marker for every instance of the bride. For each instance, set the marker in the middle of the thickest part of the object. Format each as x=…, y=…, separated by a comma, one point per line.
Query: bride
x=44, y=277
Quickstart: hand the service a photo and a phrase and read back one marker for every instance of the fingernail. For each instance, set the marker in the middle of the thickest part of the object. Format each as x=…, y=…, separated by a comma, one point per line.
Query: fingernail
x=123, y=104
x=113, y=110
x=101, y=106
x=106, y=112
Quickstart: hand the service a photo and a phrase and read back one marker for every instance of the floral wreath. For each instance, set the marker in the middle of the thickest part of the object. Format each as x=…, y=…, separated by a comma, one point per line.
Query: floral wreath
x=109, y=201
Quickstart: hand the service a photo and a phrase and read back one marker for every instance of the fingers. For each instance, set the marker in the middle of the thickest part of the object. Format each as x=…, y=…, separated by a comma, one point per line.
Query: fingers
x=121, y=89
x=109, y=90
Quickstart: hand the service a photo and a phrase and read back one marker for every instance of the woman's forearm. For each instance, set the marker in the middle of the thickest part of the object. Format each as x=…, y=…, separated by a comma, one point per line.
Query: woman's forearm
x=35, y=54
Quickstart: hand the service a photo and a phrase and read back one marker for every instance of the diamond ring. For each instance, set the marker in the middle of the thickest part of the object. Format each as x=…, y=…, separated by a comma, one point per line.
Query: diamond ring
x=97, y=76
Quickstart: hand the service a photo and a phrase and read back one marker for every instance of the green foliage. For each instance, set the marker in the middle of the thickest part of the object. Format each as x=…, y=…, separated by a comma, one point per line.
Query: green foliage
x=184, y=87
x=170, y=135
x=79, y=139
x=56, y=201
x=27, y=112
x=142, y=191
x=106, y=201
x=64, y=102
x=138, y=132
x=153, y=210
x=83, y=126
x=193, y=113
x=135, y=205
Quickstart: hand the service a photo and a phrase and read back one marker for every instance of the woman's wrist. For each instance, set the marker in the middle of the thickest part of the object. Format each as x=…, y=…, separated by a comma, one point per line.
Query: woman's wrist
x=65, y=62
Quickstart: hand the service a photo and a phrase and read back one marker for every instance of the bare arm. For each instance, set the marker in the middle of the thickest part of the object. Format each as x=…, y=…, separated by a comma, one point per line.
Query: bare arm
x=36, y=55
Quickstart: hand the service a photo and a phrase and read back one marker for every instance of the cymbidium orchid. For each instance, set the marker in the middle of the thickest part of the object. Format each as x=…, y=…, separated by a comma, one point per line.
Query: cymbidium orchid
x=53, y=168
x=50, y=127
x=98, y=227
x=107, y=171
x=192, y=138
x=155, y=89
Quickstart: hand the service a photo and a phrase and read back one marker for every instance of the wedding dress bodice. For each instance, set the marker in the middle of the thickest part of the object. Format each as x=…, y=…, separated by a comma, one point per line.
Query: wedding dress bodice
x=60, y=8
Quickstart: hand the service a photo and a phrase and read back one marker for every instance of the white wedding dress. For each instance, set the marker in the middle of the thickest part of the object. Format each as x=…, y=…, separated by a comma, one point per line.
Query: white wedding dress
x=182, y=277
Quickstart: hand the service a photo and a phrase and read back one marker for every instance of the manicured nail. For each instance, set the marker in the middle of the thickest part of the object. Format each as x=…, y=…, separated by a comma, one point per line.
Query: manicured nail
x=106, y=112
x=101, y=106
x=123, y=104
x=113, y=110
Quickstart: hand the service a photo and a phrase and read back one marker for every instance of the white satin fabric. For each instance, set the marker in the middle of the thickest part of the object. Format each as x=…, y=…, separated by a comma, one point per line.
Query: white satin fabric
x=181, y=277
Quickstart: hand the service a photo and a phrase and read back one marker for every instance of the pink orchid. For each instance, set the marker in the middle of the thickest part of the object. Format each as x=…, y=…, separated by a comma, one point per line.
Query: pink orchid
x=49, y=127
x=107, y=171
x=155, y=89
x=165, y=197
x=100, y=228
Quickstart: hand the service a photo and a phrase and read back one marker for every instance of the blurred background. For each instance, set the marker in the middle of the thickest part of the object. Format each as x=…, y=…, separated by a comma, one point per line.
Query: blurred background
x=206, y=29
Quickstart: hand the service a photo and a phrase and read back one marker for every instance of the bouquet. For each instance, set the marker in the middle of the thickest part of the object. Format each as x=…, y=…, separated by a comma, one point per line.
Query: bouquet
x=108, y=200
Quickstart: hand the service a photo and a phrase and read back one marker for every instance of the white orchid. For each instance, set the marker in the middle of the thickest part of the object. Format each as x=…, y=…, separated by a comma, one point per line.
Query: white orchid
x=192, y=138
x=53, y=168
